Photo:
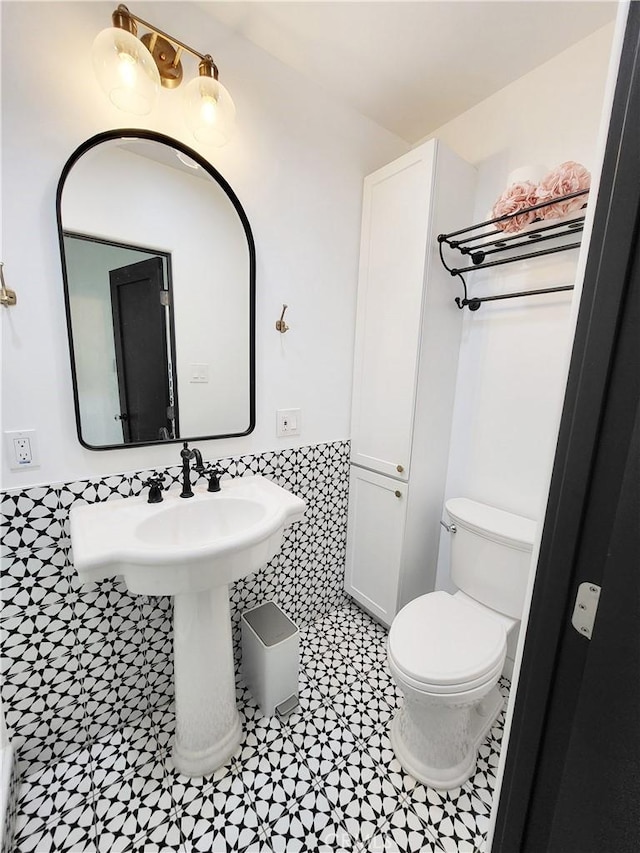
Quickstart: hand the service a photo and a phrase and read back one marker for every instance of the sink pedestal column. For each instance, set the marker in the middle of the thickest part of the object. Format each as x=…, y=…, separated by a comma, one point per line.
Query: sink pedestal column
x=208, y=728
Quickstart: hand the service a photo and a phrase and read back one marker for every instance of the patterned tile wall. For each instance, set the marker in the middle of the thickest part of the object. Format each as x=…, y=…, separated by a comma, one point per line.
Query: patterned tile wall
x=12, y=795
x=78, y=660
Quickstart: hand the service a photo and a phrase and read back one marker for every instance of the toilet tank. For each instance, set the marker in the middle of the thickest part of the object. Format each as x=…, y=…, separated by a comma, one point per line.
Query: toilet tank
x=491, y=554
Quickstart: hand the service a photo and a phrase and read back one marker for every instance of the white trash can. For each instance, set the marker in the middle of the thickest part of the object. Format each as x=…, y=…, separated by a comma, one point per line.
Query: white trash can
x=271, y=658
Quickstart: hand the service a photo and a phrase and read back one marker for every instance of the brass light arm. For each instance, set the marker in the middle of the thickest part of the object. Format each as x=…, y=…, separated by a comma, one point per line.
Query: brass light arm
x=124, y=11
x=165, y=49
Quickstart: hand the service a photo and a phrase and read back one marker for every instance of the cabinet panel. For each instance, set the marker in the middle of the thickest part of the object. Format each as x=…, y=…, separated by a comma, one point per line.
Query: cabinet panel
x=406, y=354
x=374, y=541
x=393, y=253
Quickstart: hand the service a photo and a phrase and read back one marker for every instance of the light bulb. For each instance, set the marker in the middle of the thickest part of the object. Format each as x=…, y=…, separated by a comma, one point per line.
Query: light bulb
x=126, y=70
x=209, y=111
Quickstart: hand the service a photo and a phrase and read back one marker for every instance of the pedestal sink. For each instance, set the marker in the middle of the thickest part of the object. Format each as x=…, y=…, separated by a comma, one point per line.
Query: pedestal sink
x=192, y=549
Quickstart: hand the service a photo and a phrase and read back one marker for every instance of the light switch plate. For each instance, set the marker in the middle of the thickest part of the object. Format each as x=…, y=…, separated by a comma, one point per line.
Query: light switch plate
x=287, y=422
x=198, y=373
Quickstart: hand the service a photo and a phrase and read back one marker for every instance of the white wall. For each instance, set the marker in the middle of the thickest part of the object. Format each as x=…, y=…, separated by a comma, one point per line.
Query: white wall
x=296, y=163
x=512, y=368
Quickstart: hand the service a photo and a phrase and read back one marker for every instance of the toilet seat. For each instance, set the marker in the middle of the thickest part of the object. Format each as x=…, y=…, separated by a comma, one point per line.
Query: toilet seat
x=439, y=644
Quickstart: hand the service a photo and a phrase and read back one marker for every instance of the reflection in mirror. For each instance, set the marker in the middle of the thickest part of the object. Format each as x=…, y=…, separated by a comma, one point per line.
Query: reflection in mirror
x=159, y=271
x=120, y=299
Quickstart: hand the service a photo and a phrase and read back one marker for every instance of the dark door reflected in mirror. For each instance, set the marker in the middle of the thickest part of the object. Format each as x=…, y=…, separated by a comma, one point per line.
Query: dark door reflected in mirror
x=139, y=302
x=159, y=272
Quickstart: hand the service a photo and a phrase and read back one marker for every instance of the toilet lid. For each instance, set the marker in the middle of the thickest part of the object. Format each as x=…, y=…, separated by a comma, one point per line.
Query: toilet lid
x=438, y=640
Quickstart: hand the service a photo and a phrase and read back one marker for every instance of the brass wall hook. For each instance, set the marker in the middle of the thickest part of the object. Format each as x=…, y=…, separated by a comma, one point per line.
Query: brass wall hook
x=281, y=326
x=7, y=297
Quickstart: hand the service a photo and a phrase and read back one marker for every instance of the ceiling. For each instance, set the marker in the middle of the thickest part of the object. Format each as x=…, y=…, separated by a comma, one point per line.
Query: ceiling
x=412, y=66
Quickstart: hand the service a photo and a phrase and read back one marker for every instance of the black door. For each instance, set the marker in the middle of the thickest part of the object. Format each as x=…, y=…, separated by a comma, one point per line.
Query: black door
x=598, y=802
x=572, y=772
x=140, y=336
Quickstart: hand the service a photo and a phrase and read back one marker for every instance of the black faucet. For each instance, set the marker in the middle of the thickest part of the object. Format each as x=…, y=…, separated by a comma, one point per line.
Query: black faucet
x=155, y=489
x=187, y=455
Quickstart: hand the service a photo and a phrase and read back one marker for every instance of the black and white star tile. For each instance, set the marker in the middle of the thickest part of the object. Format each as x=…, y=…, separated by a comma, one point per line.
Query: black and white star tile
x=33, y=581
x=30, y=519
x=326, y=779
x=47, y=614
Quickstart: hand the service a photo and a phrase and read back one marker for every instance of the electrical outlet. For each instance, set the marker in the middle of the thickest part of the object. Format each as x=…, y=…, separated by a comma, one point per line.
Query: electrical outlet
x=287, y=422
x=21, y=448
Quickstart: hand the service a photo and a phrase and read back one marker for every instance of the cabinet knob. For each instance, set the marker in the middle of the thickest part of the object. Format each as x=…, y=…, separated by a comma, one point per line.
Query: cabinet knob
x=399, y=468
x=398, y=493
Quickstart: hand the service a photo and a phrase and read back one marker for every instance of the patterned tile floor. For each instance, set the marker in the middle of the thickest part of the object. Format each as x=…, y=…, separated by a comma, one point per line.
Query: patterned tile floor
x=324, y=780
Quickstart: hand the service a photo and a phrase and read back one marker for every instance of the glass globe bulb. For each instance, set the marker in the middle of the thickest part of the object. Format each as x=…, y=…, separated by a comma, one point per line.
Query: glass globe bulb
x=126, y=71
x=208, y=110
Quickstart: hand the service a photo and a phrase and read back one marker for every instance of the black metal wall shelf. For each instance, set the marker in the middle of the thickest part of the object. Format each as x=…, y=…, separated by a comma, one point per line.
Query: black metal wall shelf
x=479, y=246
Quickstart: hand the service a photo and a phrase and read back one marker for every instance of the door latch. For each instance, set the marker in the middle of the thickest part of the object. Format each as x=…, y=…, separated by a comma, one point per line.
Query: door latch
x=585, y=608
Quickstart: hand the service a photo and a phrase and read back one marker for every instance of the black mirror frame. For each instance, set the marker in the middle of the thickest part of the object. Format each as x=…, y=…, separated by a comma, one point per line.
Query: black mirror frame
x=135, y=133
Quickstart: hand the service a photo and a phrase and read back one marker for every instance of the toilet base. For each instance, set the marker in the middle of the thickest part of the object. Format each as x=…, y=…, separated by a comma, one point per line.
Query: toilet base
x=481, y=719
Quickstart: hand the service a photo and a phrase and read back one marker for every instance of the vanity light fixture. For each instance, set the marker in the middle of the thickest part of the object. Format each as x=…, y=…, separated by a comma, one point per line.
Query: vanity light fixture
x=131, y=70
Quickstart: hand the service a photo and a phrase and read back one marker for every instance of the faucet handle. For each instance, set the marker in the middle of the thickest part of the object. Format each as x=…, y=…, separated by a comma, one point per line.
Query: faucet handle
x=155, y=488
x=214, y=475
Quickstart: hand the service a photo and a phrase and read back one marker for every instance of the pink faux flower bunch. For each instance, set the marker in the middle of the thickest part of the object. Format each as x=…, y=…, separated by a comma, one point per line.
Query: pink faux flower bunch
x=516, y=197
x=566, y=178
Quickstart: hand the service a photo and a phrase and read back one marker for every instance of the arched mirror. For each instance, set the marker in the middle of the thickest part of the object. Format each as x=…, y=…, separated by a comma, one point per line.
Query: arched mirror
x=158, y=263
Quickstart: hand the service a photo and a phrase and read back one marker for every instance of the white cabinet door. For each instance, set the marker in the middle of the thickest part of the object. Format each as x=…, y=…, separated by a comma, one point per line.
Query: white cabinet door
x=396, y=208
x=377, y=509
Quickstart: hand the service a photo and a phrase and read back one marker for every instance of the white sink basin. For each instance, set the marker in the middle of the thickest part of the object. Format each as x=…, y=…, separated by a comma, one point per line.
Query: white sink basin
x=190, y=525
x=183, y=544
x=191, y=548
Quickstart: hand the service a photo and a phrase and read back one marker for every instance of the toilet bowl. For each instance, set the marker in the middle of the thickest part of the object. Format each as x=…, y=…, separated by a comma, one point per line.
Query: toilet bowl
x=446, y=652
x=446, y=657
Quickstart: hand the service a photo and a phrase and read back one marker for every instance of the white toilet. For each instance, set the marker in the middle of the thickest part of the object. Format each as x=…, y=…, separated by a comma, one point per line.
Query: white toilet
x=446, y=652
